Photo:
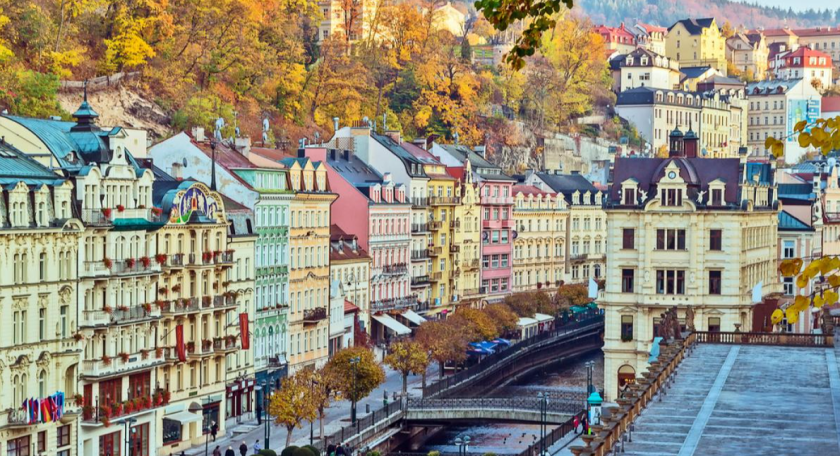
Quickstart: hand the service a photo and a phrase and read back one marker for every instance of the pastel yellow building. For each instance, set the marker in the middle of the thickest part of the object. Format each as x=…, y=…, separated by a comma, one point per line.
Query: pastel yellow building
x=442, y=203
x=39, y=353
x=748, y=54
x=696, y=43
x=539, y=247
x=467, y=236
x=309, y=277
x=695, y=233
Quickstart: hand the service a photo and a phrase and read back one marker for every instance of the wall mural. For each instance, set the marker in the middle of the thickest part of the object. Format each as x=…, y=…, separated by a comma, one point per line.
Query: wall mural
x=195, y=198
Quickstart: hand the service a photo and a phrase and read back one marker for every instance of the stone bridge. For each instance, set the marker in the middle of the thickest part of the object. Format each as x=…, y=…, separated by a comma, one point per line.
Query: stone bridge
x=435, y=412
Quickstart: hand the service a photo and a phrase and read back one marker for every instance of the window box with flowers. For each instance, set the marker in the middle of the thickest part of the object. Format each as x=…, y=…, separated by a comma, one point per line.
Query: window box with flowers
x=120, y=208
x=131, y=262
x=146, y=262
x=159, y=352
x=207, y=256
x=144, y=354
x=147, y=307
x=206, y=344
x=108, y=310
x=206, y=300
x=108, y=263
x=163, y=290
x=157, y=212
x=124, y=357
x=176, y=288
x=106, y=212
x=106, y=360
x=122, y=308
x=160, y=258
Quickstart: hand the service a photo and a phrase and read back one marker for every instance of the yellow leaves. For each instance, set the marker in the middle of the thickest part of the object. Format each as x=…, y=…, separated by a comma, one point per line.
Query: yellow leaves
x=804, y=139
x=792, y=315
x=830, y=297
x=776, y=316
x=834, y=280
x=777, y=148
x=791, y=267
x=800, y=126
x=801, y=303
x=818, y=301
x=802, y=281
x=823, y=134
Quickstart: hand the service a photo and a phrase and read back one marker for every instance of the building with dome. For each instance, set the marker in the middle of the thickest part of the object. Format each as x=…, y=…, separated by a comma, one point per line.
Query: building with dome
x=689, y=232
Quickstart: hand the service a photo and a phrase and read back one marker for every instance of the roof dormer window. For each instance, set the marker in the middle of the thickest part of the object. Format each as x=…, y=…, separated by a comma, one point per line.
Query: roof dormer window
x=629, y=192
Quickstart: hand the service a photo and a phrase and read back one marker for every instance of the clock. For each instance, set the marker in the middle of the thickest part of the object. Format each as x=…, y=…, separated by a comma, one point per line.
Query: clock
x=672, y=175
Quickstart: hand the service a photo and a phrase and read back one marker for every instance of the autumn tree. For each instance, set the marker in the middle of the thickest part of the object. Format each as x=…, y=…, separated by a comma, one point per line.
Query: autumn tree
x=504, y=318
x=326, y=385
x=574, y=294
x=480, y=323
x=356, y=382
x=407, y=357
x=294, y=403
x=446, y=341
x=521, y=304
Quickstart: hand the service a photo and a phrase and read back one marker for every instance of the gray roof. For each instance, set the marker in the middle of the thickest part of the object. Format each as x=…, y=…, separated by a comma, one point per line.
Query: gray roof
x=771, y=86
x=480, y=165
x=694, y=26
x=567, y=184
x=405, y=156
x=694, y=72
x=16, y=166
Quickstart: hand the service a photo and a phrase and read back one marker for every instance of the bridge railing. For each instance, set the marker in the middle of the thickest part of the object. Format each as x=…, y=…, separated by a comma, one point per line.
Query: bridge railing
x=366, y=427
x=554, y=436
x=491, y=361
x=564, y=402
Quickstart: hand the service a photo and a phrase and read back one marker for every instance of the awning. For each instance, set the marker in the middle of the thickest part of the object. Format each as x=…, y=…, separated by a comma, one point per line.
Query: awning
x=413, y=317
x=542, y=318
x=525, y=321
x=392, y=324
x=578, y=309
x=501, y=341
x=183, y=417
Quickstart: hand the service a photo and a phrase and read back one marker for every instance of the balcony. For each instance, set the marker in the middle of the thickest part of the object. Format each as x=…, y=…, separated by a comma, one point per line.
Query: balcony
x=471, y=265
x=420, y=281
x=417, y=228
x=197, y=351
x=175, y=260
x=277, y=362
x=95, y=268
x=454, y=248
x=106, y=413
x=435, y=251
x=420, y=254
x=132, y=266
x=314, y=316
x=138, y=218
x=119, y=365
x=496, y=200
x=394, y=304
x=179, y=306
x=394, y=269
x=419, y=202
x=508, y=223
x=577, y=257
x=455, y=224
x=222, y=302
x=118, y=316
x=435, y=276
x=224, y=345
x=471, y=291
x=280, y=269
x=223, y=257
x=444, y=200
x=435, y=225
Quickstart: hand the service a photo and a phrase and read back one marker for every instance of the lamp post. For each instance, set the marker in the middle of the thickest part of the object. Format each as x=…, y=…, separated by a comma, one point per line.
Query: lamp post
x=543, y=397
x=265, y=387
x=590, y=368
x=206, y=439
x=311, y=428
x=462, y=444
x=353, y=363
x=129, y=434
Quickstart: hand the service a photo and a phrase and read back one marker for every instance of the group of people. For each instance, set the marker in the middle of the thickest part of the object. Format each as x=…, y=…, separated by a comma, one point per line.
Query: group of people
x=243, y=450
x=342, y=449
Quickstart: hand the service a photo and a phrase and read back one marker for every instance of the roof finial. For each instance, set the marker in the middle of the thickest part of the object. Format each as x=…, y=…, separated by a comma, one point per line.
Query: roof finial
x=86, y=82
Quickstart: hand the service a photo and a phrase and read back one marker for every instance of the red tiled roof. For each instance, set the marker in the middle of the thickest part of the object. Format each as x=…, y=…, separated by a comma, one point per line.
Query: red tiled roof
x=530, y=190
x=271, y=154
x=831, y=104
x=774, y=32
x=817, y=31
x=652, y=28
x=349, y=307
x=805, y=52
x=456, y=171
x=346, y=253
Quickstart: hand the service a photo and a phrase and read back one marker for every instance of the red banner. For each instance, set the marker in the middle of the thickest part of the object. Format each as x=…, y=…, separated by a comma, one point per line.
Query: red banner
x=244, y=333
x=180, y=349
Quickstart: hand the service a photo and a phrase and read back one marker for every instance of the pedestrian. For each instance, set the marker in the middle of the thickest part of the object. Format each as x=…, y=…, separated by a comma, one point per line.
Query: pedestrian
x=339, y=451
x=257, y=447
x=217, y=451
x=243, y=449
x=331, y=450
x=214, y=429
x=259, y=414
x=230, y=452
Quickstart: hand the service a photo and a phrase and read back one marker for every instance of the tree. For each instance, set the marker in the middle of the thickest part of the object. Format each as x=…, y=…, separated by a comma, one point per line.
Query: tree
x=445, y=340
x=356, y=383
x=576, y=294
x=482, y=326
x=294, y=402
x=506, y=320
x=727, y=30
x=407, y=357
x=521, y=304
x=326, y=384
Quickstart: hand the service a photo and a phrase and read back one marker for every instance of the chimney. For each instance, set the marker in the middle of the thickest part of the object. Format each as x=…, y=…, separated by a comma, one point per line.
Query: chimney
x=198, y=134
x=394, y=135
x=480, y=150
x=178, y=171
x=335, y=124
x=676, y=143
x=386, y=178
x=420, y=142
x=242, y=145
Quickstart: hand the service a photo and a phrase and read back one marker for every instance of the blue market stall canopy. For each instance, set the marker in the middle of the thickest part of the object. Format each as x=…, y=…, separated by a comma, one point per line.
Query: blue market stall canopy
x=500, y=341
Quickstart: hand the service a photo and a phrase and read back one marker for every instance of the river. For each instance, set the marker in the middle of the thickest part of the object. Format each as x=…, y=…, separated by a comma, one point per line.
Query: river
x=504, y=439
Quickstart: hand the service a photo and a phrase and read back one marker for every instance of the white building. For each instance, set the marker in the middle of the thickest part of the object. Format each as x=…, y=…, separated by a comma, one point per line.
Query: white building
x=775, y=107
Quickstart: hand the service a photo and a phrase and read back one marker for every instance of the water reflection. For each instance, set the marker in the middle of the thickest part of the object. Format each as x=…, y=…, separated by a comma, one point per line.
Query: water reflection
x=504, y=439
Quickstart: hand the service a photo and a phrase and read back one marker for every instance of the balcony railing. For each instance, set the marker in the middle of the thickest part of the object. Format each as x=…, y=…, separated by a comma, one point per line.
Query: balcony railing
x=498, y=200
x=110, y=411
x=176, y=260
x=220, y=302
x=180, y=306
x=472, y=264
x=130, y=266
x=435, y=251
x=102, y=317
x=314, y=315
x=420, y=254
x=107, y=216
x=832, y=217
x=275, y=362
x=435, y=225
x=758, y=338
x=223, y=258
x=454, y=248
x=419, y=202
x=225, y=344
x=394, y=269
x=435, y=276
x=394, y=304
x=455, y=224
x=102, y=367
x=419, y=227
x=441, y=200
x=471, y=291
x=419, y=281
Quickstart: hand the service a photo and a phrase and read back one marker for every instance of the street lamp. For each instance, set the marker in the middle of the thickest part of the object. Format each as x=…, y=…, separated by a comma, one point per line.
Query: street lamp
x=543, y=397
x=462, y=444
x=590, y=369
x=353, y=363
x=129, y=434
x=311, y=430
x=265, y=387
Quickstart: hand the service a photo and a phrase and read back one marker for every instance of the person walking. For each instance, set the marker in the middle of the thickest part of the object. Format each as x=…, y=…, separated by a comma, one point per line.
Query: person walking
x=214, y=429
x=331, y=450
x=257, y=447
x=217, y=451
x=339, y=450
x=230, y=452
x=243, y=449
x=259, y=414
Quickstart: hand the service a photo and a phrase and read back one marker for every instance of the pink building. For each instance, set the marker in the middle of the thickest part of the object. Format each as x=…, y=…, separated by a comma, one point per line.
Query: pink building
x=496, y=190
x=375, y=208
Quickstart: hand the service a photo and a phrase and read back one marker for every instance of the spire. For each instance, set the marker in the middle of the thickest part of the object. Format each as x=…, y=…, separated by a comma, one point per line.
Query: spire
x=85, y=116
x=213, y=165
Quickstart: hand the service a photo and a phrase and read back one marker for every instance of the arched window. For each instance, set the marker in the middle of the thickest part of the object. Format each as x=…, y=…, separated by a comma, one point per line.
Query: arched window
x=42, y=384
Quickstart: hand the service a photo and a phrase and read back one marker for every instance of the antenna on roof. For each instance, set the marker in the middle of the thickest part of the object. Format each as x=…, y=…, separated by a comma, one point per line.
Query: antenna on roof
x=236, y=124
x=265, y=129
x=85, y=90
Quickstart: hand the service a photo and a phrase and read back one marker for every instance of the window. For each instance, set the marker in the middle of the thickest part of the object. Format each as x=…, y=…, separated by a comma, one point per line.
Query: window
x=495, y=261
x=504, y=236
x=495, y=239
x=485, y=262
x=787, y=283
x=714, y=324
x=626, y=328
x=627, y=280
x=42, y=441
x=42, y=324
x=628, y=239
x=18, y=447
x=669, y=281
x=670, y=239
x=111, y=444
x=64, y=311
x=715, y=240
x=672, y=197
x=62, y=436
x=629, y=196
x=788, y=249
x=714, y=282
x=42, y=266
x=505, y=260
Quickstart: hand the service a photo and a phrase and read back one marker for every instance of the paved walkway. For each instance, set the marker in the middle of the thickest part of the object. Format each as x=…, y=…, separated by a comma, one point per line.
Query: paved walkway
x=337, y=416
x=746, y=400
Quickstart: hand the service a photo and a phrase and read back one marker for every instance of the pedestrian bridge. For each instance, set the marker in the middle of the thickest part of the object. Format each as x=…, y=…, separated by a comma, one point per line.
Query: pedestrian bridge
x=434, y=412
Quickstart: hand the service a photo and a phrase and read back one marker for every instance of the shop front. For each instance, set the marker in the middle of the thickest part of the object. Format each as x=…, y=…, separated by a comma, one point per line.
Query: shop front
x=240, y=397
